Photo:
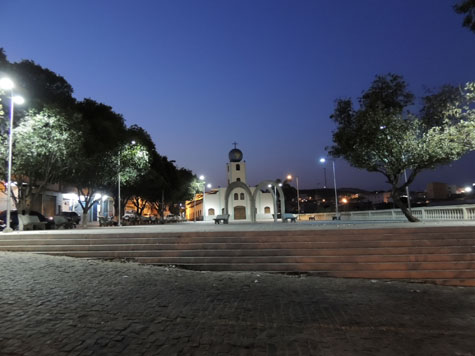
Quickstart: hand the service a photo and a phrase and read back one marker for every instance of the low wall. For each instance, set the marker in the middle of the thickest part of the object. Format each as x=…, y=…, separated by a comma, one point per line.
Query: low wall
x=452, y=212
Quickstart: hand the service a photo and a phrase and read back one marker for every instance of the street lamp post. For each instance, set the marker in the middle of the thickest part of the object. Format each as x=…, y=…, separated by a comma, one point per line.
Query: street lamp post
x=407, y=193
x=289, y=177
x=323, y=161
x=202, y=178
x=194, y=208
x=7, y=84
x=275, y=198
x=118, y=191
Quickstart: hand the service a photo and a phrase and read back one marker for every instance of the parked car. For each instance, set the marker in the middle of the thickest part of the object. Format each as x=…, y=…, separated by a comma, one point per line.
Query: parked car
x=130, y=218
x=71, y=216
x=14, y=219
x=172, y=218
x=130, y=215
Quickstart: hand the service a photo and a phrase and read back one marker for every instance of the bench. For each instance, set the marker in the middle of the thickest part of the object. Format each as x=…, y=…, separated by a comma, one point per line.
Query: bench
x=221, y=218
x=291, y=217
x=311, y=218
x=30, y=222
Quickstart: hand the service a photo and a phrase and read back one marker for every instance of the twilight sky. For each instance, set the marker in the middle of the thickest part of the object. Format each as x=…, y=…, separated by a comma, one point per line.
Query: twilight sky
x=201, y=74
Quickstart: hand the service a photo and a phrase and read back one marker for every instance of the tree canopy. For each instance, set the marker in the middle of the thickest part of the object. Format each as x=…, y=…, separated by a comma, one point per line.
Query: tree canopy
x=44, y=146
x=467, y=8
x=382, y=135
x=85, y=143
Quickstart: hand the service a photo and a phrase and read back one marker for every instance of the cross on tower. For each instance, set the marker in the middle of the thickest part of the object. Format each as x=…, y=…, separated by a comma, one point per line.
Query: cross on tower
x=235, y=144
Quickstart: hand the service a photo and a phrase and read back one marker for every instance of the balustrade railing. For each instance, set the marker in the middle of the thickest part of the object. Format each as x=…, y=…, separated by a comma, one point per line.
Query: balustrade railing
x=452, y=212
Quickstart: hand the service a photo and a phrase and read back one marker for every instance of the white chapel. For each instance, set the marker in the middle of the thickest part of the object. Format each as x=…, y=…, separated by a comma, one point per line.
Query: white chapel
x=238, y=199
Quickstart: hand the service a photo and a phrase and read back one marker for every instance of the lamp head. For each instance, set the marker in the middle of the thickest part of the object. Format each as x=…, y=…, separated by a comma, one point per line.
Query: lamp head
x=17, y=99
x=322, y=160
x=289, y=176
x=202, y=177
x=6, y=83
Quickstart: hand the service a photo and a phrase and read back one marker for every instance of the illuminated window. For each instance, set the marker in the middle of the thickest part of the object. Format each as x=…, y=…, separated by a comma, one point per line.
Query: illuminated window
x=210, y=211
x=266, y=210
x=236, y=196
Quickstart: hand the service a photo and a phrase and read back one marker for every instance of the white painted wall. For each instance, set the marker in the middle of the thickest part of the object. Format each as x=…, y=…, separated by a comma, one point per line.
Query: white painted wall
x=217, y=202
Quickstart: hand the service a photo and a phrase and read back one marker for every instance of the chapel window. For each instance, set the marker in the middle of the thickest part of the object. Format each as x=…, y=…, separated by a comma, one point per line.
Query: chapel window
x=242, y=196
x=236, y=196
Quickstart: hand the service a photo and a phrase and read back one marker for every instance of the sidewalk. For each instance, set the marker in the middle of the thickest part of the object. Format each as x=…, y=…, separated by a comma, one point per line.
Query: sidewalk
x=64, y=306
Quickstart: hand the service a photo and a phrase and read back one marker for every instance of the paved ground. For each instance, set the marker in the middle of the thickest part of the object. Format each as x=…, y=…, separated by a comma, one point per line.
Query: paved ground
x=261, y=226
x=64, y=306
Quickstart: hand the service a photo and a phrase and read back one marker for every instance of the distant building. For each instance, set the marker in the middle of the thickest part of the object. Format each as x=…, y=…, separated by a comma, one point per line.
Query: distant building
x=437, y=190
x=379, y=197
x=452, y=188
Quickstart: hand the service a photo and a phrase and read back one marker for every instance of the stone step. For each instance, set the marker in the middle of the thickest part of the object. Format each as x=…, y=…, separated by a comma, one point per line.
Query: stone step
x=309, y=265
x=418, y=275
x=453, y=282
x=166, y=244
x=240, y=251
x=340, y=241
x=371, y=271
x=256, y=236
x=441, y=255
x=171, y=257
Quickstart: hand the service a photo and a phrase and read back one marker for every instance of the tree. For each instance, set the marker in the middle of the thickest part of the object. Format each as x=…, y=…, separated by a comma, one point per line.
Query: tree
x=41, y=86
x=383, y=136
x=43, y=146
x=467, y=7
x=168, y=186
x=95, y=166
x=133, y=162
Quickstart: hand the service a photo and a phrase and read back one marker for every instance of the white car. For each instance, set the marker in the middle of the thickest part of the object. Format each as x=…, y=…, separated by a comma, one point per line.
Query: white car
x=172, y=218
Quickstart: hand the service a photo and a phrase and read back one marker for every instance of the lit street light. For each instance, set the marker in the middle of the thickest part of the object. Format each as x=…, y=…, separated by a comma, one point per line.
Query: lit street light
x=7, y=84
x=323, y=161
x=289, y=177
x=202, y=178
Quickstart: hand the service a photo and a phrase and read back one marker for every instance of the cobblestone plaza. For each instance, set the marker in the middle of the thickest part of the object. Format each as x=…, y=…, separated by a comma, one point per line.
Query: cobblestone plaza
x=65, y=306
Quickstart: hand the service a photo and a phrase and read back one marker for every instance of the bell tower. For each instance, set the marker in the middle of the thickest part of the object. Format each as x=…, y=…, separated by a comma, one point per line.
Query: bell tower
x=236, y=166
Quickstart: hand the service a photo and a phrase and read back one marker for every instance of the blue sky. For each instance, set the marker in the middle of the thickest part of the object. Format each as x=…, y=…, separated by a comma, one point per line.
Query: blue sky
x=199, y=75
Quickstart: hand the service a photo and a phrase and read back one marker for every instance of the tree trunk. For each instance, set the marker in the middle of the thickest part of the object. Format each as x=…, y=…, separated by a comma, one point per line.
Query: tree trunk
x=84, y=219
x=395, y=194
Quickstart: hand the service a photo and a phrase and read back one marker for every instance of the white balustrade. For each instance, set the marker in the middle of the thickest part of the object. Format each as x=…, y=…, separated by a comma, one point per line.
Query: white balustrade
x=451, y=212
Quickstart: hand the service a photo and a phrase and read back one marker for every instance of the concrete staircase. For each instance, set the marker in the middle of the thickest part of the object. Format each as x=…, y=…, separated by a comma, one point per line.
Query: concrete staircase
x=443, y=255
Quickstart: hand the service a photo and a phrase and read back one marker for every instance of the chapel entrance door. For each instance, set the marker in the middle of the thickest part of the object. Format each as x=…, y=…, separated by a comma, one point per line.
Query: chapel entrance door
x=240, y=212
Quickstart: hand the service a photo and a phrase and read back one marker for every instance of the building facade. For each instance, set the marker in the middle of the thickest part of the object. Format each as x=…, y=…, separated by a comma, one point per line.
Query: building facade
x=238, y=199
